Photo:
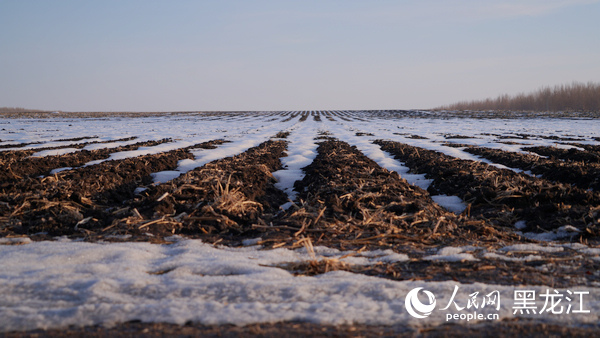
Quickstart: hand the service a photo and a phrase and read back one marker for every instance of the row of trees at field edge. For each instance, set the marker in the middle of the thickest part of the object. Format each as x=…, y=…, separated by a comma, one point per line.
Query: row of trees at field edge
x=581, y=97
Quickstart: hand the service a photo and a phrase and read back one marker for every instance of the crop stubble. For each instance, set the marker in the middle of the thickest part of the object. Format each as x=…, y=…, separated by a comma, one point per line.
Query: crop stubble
x=345, y=201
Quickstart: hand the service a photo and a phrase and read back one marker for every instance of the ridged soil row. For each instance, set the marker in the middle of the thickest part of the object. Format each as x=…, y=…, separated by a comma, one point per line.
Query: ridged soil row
x=16, y=166
x=348, y=200
x=583, y=175
x=222, y=200
x=502, y=196
x=56, y=204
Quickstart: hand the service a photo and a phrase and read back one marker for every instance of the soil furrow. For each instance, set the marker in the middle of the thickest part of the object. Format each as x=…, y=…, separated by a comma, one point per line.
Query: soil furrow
x=13, y=169
x=76, y=145
x=505, y=328
x=502, y=196
x=559, y=271
x=88, y=195
x=589, y=147
x=573, y=155
x=221, y=200
x=583, y=175
x=346, y=200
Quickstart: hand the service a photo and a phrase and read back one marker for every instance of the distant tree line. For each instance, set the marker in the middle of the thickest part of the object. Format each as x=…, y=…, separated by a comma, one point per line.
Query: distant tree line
x=579, y=97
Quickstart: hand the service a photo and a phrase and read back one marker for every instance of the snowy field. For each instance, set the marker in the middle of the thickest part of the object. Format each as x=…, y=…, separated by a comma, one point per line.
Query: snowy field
x=54, y=284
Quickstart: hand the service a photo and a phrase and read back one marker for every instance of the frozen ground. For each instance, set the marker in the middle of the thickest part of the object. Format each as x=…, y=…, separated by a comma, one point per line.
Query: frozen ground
x=61, y=283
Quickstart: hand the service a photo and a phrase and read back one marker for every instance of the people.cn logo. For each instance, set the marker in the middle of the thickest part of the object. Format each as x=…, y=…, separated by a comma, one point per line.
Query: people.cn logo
x=414, y=306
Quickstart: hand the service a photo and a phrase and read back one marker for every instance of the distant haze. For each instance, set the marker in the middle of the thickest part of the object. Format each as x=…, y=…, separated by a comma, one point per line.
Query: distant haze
x=288, y=55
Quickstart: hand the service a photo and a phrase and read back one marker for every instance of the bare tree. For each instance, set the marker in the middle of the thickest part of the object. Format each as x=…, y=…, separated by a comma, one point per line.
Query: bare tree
x=577, y=96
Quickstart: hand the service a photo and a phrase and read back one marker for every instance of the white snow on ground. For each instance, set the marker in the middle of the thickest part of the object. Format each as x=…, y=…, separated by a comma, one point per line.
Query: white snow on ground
x=346, y=132
x=57, y=284
x=57, y=170
x=492, y=255
x=482, y=132
x=93, y=146
x=531, y=248
x=564, y=232
x=452, y=203
x=302, y=150
x=54, y=152
x=452, y=254
x=195, y=128
x=61, y=283
x=96, y=146
x=237, y=144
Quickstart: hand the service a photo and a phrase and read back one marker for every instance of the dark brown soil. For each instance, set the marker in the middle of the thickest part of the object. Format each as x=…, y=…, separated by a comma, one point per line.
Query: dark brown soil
x=349, y=201
x=501, y=196
x=416, y=137
x=559, y=271
x=75, y=145
x=505, y=328
x=456, y=136
x=222, y=199
x=588, y=147
x=291, y=117
x=583, y=175
x=88, y=196
x=16, y=166
x=523, y=136
x=346, y=201
x=571, y=155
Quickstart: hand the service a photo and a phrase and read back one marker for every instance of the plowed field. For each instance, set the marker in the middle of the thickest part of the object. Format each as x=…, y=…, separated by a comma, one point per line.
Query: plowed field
x=481, y=201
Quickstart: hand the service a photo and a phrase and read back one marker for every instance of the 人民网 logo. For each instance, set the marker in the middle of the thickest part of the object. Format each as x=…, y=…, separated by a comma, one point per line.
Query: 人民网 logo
x=414, y=306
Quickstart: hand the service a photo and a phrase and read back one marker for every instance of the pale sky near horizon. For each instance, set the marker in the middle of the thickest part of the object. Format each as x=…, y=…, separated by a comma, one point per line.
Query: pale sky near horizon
x=144, y=55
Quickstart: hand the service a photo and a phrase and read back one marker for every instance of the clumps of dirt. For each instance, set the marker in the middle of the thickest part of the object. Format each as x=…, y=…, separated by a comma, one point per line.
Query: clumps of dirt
x=18, y=167
x=219, y=201
x=317, y=118
x=346, y=200
x=516, y=327
x=314, y=266
x=282, y=134
x=74, y=139
x=523, y=136
x=57, y=204
x=456, y=145
x=304, y=116
x=571, y=155
x=502, y=196
x=584, y=175
x=414, y=137
x=456, y=136
x=83, y=201
x=76, y=145
x=360, y=133
x=16, y=155
x=17, y=145
x=543, y=271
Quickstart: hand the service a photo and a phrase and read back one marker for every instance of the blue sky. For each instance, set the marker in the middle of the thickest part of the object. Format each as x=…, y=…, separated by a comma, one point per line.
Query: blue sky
x=288, y=55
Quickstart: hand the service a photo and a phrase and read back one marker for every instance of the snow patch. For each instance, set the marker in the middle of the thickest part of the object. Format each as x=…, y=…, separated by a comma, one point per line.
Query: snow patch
x=452, y=203
x=531, y=248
